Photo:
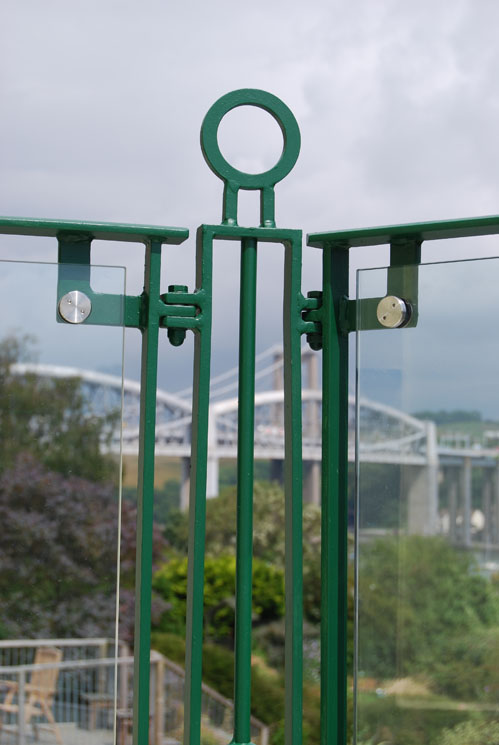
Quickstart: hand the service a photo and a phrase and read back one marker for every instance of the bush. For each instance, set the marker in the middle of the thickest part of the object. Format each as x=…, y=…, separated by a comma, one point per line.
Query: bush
x=472, y=733
x=467, y=667
x=219, y=586
x=416, y=593
x=267, y=694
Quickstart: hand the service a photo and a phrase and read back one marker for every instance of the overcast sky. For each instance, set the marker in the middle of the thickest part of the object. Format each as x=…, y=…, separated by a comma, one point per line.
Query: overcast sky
x=102, y=102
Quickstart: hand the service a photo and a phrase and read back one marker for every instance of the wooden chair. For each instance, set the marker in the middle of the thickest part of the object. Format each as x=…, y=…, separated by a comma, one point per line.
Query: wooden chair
x=39, y=692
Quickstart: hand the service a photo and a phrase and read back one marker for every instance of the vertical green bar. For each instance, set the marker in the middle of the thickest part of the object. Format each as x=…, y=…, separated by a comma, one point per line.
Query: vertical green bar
x=245, y=450
x=293, y=493
x=147, y=437
x=197, y=499
x=334, y=556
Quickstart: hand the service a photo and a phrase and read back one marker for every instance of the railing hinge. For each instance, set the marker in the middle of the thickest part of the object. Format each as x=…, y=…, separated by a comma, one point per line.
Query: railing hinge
x=311, y=324
x=180, y=310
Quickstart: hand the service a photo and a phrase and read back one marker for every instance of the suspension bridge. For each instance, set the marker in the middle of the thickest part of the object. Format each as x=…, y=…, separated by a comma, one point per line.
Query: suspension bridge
x=386, y=436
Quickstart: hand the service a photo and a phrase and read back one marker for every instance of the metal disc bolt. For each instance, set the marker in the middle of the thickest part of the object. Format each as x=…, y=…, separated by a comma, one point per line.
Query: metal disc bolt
x=75, y=307
x=393, y=312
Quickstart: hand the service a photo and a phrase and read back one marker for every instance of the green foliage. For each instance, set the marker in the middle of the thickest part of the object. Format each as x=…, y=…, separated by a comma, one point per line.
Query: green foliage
x=267, y=694
x=268, y=519
x=467, y=667
x=176, y=531
x=49, y=418
x=416, y=593
x=170, y=645
x=442, y=417
x=171, y=583
x=382, y=721
x=268, y=535
x=471, y=733
x=166, y=504
x=311, y=718
x=228, y=472
x=381, y=489
x=57, y=555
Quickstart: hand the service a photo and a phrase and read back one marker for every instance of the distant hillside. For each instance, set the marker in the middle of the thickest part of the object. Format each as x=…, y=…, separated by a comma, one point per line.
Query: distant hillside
x=442, y=417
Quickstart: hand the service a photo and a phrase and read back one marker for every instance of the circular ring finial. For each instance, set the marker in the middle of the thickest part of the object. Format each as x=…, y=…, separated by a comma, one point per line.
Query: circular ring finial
x=283, y=116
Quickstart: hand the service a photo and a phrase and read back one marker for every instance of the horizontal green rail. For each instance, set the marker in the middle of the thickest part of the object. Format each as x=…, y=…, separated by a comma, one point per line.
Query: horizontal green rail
x=101, y=231
x=426, y=231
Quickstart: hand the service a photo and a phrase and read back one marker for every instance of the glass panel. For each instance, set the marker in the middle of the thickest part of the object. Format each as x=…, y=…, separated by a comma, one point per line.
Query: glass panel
x=428, y=512
x=60, y=501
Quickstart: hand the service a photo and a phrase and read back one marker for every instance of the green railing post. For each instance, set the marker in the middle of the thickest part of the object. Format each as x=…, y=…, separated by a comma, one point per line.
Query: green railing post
x=234, y=180
x=147, y=440
x=245, y=447
x=334, y=521
x=293, y=487
x=334, y=540
x=197, y=499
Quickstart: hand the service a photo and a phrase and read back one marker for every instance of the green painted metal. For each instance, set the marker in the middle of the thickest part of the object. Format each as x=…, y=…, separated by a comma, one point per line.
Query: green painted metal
x=470, y=227
x=326, y=317
x=294, y=327
x=102, y=231
x=232, y=177
x=244, y=535
x=334, y=535
x=145, y=496
x=144, y=312
x=197, y=499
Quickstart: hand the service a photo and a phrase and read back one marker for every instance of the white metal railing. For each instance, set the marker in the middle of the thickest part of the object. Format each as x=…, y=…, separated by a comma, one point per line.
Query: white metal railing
x=85, y=705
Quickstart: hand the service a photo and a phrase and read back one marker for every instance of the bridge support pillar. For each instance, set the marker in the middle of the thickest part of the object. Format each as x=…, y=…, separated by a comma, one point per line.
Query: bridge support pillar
x=487, y=507
x=212, y=466
x=312, y=482
x=212, y=477
x=420, y=483
x=185, y=482
x=466, y=501
x=453, y=498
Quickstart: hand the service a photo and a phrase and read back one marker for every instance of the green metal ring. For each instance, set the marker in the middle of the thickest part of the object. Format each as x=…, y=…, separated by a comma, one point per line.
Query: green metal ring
x=283, y=116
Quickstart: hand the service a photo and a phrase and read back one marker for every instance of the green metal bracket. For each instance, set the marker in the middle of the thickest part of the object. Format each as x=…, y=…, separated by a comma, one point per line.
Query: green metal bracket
x=402, y=281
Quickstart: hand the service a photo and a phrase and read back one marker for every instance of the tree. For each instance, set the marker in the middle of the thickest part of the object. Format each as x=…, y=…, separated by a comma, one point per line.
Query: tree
x=58, y=555
x=416, y=593
x=49, y=418
x=59, y=511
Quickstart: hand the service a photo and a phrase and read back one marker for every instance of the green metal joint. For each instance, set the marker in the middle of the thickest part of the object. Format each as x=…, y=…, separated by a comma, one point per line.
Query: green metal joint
x=180, y=310
x=288, y=237
x=312, y=319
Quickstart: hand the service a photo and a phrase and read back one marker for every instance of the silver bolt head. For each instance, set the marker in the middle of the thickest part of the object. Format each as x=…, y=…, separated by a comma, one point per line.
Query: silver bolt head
x=75, y=307
x=392, y=312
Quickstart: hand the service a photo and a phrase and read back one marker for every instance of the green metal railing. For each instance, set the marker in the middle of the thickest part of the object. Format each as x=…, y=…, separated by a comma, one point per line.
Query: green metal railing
x=326, y=317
